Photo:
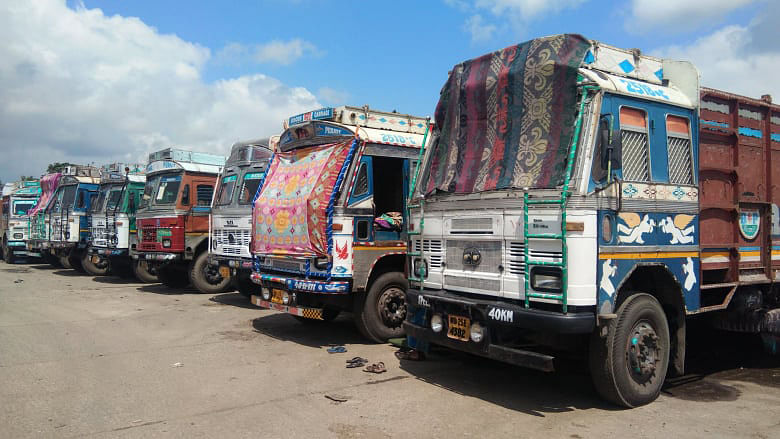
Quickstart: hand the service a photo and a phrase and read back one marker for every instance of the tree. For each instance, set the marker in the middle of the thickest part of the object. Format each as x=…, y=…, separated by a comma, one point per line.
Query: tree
x=57, y=167
x=27, y=178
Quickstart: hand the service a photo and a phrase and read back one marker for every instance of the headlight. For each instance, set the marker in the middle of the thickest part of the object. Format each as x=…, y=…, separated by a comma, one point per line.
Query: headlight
x=420, y=268
x=437, y=323
x=285, y=298
x=18, y=235
x=606, y=228
x=476, y=332
x=546, y=279
x=266, y=293
x=166, y=243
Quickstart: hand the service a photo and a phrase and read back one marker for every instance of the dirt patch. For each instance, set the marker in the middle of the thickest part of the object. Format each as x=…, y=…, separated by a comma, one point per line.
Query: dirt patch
x=16, y=270
x=696, y=388
x=238, y=335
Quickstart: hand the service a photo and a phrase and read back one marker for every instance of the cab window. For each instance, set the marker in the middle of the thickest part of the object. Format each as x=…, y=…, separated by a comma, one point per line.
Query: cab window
x=634, y=136
x=168, y=190
x=678, y=141
x=225, y=194
x=204, y=193
x=251, y=184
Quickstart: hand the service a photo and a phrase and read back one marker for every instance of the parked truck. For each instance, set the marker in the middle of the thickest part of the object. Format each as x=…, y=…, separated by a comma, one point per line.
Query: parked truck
x=16, y=202
x=38, y=220
x=173, y=222
x=329, y=223
x=581, y=197
x=231, y=214
x=68, y=228
x=112, y=221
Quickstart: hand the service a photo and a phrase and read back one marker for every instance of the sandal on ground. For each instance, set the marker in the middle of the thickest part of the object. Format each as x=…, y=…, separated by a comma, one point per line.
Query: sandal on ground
x=337, y=350
x=410, y=355
x=376, y=368
x=355, y=364
x=357, y=360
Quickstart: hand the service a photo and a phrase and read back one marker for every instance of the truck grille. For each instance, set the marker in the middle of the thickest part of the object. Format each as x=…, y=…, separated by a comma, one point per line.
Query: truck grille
x=490, y=252
x=149, y=234
x=432, y=250
x=233, y=237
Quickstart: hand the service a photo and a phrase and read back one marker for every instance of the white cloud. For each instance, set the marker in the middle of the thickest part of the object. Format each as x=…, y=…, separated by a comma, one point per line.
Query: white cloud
x=332, y=96
x=284, y=52
x=738, y=59
x=679, y=15
x=526, y=9
x=79, y=86
x=478, y=28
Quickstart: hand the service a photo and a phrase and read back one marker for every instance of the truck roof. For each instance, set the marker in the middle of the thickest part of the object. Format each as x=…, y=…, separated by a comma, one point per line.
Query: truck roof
x=191, y=161
x=249, y=151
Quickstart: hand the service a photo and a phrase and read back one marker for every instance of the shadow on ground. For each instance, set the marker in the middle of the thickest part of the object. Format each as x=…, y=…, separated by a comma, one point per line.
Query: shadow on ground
x=313, y=333
x=69, y=272
x=233, y=299
x=715, y=359
x=115, y=280
x=166, y=291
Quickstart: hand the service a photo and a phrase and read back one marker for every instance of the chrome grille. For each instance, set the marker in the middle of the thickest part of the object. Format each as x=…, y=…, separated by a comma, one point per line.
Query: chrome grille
x=490, y=252
x=680, y=169
x=635, y=161
x=473, y=225
x=241, y=237
x=283, y=264
x=473, y=283
x=432, y=250
x=516, y=259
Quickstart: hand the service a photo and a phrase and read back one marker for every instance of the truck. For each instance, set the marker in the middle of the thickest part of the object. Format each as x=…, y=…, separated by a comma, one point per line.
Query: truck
x=16, y=202
x=68, y=228
x=329, y=222
x=230, y=223
x=582, y=198
x=38, y=220
x=173, y=219
x=112, y=222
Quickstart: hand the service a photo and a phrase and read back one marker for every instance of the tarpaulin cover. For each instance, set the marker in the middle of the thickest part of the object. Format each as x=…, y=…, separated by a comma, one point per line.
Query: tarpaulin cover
x=49, y=185
x=291, y=213
x=506, y=119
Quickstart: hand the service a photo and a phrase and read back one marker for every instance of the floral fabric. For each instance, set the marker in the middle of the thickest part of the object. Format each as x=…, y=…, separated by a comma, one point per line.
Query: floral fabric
x=290, y=215
x=506, y=119
x=48, y=185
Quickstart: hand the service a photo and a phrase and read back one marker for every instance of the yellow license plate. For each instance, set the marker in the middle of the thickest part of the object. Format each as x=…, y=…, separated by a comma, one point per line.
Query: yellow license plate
x=224, y=271
x=276, y=296
x=458, y=327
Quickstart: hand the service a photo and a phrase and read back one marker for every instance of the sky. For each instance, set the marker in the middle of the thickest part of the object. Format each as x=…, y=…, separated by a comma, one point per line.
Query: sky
x=100, y=81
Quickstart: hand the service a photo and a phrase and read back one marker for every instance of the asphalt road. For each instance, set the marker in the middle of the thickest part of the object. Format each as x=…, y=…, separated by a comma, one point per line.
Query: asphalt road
x=104, y=357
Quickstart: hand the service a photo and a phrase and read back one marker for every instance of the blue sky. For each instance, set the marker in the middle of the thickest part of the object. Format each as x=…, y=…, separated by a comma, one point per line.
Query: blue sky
x=98, y=81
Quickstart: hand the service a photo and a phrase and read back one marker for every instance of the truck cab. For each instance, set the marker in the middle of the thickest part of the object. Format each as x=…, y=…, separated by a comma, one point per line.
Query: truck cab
x=112, y=218
x=231, y=214
x=21, y=197
x=173, y=221
x=68, y=225
x=329, y=223
x=564, y=213
x=38, y=222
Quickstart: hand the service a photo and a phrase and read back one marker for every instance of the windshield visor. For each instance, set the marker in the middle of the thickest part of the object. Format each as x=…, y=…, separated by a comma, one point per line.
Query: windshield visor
x=252, y=181
x=506, y=120
x=226, y=190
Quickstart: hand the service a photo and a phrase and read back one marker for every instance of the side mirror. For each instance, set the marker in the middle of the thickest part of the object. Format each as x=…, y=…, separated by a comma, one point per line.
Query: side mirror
x=131, y=202
x=608, y=153
x=80, y=200
x=185, y=195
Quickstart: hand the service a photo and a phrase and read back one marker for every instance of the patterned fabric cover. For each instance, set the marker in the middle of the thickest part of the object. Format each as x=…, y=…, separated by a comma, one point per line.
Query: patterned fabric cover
x=506, y=119
x=290, y=215
x=48, y=187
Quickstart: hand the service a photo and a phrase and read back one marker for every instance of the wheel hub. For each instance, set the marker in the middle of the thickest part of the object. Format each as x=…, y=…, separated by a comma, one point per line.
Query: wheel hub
x=642, y=352
x=212, y=275
x=392, y=307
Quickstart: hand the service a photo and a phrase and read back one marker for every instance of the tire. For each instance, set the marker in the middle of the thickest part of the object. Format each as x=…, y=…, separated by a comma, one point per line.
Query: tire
x=75, y=263
x=100, y=269
x=245, y=286
x=172, y=277
x=65, y=262
x=8, y=254
x=328, y=315
x=641, y=322
x=205, y=277
x=380, y=313
x=143, y=273
x=51, y=260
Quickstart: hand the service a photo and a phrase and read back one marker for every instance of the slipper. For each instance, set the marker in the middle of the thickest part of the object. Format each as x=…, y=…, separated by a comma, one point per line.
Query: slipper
x=376, y=368
x=357, y=360
x=337, y=350
x=355, y=364
x=411, y=355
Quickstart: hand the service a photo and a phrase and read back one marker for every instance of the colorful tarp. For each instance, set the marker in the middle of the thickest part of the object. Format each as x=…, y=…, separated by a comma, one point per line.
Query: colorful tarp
x=506, y=119
x=291, y=213
x=49, y=185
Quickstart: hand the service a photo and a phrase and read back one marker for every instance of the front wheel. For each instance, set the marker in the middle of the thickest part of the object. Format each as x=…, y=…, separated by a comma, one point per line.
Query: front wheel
x=205, y=277
x=95, y=269
x=380, y=313
x=143, y=272
x=8, y=254
x=629, y=365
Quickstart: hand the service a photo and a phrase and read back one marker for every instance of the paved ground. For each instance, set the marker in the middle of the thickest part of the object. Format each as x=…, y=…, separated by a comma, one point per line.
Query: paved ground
x=83, y=356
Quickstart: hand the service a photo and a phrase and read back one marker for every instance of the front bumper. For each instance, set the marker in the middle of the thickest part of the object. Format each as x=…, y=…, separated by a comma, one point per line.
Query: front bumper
x=305, y=285
x=158, y=256
x=237, y=263
x=300, y=311
x=103, y=251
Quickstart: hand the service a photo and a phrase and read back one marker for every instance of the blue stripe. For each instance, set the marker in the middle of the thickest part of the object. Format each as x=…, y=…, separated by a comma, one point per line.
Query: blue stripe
x=716, y=124
x=775, y=137
x=749, y=249
x=750, y=132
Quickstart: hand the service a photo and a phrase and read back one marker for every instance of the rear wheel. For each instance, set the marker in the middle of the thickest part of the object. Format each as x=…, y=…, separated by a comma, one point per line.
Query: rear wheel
x=65, y=262
x=206, y=277
x=629, y=365
x=143, y=272
x=173, y=276
x=380, y=313
x=8, y=254
x=95, y=269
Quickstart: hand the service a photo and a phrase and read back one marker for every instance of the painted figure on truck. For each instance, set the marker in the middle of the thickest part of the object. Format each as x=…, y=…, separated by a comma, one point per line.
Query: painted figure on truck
x=565, y=205
x=113, y=223
x=67, y=216
x=329, y=222
x=173, y=221
x=231, y=214
x=16, y=203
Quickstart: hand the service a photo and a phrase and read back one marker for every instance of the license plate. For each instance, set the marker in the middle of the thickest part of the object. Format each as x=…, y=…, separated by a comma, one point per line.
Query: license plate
x=276, y=296
x=458, y=327
x=224, y=271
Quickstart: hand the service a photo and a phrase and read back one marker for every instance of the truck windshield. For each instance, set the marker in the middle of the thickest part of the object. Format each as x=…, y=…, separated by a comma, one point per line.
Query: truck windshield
x=151, y=184
x=226, y=190
x=113, y=198
x=21, y=207
x=68, y=196
x=97, y=205
x=249, y=189
x=168, y=189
